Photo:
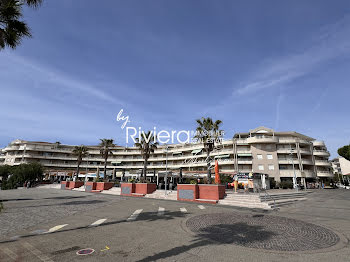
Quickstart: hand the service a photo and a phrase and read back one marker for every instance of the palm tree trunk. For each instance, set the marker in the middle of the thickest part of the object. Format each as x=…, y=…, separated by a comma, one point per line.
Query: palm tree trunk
x=145, y=168
x=208, y=167
x=105, y=170
x=78, y=169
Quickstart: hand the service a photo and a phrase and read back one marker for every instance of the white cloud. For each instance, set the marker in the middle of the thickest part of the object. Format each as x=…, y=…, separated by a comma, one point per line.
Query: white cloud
x=329, y=43
x=43, y=75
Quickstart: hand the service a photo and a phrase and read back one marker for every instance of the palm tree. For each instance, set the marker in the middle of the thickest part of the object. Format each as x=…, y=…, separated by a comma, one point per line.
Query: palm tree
x=79, y=152
x=207, y=132
x=12, y=30
x=106, y=150
x=147, y=145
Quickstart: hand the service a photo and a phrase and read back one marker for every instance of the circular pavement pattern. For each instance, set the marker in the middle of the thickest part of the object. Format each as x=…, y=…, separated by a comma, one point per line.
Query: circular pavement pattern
x=261, y=231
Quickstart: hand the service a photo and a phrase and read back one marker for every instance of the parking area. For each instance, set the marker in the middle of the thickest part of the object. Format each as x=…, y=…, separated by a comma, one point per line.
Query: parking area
x=52, y=225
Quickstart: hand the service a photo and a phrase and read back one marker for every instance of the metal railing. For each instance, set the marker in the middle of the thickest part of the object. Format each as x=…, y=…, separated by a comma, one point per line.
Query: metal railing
x=266, y=196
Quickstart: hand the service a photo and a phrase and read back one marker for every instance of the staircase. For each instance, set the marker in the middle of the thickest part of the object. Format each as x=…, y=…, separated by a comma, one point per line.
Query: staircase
x=263, y=201
x=244, y=200
x=282, y=199
x=160, y=194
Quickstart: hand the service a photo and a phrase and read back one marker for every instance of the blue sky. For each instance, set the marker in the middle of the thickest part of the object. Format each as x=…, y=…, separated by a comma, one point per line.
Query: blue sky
x=280, y=64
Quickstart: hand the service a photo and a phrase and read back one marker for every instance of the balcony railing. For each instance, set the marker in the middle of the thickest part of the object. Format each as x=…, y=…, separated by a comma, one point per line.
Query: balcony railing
x=262, y=139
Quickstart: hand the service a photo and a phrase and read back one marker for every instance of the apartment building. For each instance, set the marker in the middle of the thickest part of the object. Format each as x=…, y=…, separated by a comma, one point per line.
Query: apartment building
x=261, y=150
x=341, y=166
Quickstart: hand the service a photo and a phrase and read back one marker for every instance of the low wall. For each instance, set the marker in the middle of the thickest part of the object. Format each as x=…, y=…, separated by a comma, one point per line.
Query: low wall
x=75, y=184
x=187, y=192
x=144, y=188
x=64, y=184
x=104, y=185
x=127, y=189
x=89, y=186
x=211, y=192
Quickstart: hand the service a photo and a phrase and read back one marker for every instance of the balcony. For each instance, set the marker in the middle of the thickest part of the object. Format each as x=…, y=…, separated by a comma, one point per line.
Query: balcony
x=292, y=140
x=307, y=162
x=286, y=161
x=290, y=173
x=324, y=174
x=245, y=162
x=262, y=139
x=242, y=141
x=321, y=153
x=318, y=143
x=322, y=163
x=302, y=151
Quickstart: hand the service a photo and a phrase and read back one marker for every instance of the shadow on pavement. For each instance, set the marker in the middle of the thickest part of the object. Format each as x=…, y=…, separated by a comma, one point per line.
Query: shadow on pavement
x=82, y=202
x=147, y=216
x=16, y=199
x=65, y=197
x=238, y=233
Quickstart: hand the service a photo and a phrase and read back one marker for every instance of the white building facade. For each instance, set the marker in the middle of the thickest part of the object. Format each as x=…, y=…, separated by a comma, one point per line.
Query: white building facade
x=280, y=155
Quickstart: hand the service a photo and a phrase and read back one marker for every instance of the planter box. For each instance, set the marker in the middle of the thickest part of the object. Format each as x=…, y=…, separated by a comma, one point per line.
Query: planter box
x=187, y=192
x=144, y=188
x=137, y=189
x=75, y=184
x=211, y=192
x=64, y=184
x=104, y=185
x=200, y=193
x=90, y=186
x=127, y=189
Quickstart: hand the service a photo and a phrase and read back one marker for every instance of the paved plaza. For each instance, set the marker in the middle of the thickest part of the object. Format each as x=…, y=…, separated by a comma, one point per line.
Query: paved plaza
x=52, y=225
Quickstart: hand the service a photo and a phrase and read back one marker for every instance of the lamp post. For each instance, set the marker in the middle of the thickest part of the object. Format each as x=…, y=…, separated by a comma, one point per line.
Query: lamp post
x=295, y=176
x=166, y=168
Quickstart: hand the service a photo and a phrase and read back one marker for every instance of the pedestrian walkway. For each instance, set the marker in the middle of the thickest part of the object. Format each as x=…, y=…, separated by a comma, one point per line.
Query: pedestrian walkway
x=161, y=211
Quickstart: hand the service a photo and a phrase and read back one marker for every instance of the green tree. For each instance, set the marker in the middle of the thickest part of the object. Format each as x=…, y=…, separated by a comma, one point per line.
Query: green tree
x=106, y=146
x=12, y=28
x=80, y=152
x=5, y=171
x=208, y=132
x=22, y=173
x=147, y=144
x=345, y=152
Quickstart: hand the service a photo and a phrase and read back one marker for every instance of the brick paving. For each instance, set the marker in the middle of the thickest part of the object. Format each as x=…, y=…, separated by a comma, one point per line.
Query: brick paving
x=262, y=231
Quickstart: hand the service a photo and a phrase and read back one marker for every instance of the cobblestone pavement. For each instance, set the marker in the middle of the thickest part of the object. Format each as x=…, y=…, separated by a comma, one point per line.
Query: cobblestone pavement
x=262, y=231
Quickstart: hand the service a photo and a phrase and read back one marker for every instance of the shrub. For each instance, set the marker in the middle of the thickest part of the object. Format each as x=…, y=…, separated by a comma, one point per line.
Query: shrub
x=273, y=183
x=193, y=182
x=131, y=180
x=286, y=184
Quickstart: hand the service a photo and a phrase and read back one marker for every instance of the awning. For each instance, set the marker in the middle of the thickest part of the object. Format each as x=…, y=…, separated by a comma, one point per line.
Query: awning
x=244, y=154
x=116, y=163
x=196, y=151
x=221, y=156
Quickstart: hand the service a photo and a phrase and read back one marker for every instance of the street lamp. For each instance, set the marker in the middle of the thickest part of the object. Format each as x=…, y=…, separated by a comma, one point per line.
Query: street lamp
x=166, y=168
x=295, y=176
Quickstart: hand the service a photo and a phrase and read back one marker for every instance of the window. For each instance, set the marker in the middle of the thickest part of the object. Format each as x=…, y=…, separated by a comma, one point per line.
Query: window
x=271, y=167
x=268, y=146
x=261, y=167
x=259, y=156
x=269, y=156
